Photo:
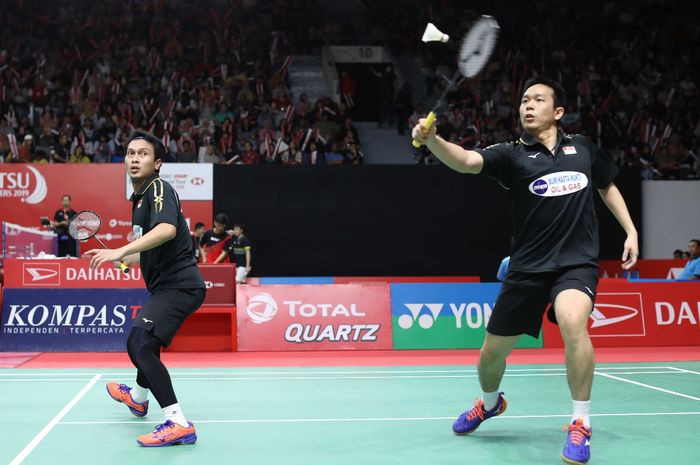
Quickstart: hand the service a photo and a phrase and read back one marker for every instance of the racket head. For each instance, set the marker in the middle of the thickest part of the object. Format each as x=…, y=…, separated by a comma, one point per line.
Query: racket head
x=477, y=46
x=84, y=225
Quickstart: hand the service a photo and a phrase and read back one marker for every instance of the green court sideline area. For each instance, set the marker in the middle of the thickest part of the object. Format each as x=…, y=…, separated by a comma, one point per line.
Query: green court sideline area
x=643, y=413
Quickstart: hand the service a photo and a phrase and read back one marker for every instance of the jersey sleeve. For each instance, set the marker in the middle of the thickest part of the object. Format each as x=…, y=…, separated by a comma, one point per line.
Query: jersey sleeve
x=246, y=243
x=497, y=163
x=164, y=203
x=603, y=168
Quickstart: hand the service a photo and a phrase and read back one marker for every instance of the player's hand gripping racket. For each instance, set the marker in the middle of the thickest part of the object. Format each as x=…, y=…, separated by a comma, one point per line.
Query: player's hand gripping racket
x=474, y=53
x=86, y=224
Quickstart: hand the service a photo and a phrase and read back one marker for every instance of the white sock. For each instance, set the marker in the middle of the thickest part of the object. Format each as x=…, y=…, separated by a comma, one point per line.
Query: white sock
x=582, y=410
x=490, y=399
x=174, y=414
x=139, y=394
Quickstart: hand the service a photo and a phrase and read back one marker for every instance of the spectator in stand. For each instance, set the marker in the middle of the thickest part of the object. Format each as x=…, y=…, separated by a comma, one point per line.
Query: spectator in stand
x=333, y=156
x=26, y=150
x=678, y=254
x=249, y=156
x=692, y=268
x=354, y=155
x=210, y=155
x=187, y=154
x=213, y=241
x=61, y=152
x=79, y=155
x=104, y=148
x=347, y=88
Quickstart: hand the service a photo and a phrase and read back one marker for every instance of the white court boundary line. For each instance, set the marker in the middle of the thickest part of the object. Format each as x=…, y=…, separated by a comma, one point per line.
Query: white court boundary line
x=648, y=386
x=332, y=378
x=338, y=372
x=377, y=419
x=683, y=370
x=54, y=421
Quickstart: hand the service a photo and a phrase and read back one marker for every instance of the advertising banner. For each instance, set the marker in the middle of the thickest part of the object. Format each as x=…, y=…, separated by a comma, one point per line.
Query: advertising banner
x=444, y=316
x=76, y=274
x=192, y=181
x=30, y=191
x=638, y=314
x=314, y=317
x=68, y=273
x=95, y=320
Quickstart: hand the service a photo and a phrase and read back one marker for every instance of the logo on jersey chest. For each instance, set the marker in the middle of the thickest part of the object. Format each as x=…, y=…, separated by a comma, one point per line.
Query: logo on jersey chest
x=559, y=183
x=569, y=150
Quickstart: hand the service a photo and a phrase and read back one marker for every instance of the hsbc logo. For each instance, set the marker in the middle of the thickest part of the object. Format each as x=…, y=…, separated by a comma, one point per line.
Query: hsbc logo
x=41, y=274
x=197, y=181
x=617, y=314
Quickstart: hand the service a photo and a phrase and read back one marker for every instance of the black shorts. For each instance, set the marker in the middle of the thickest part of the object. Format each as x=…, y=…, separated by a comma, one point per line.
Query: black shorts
x=166, y=310
x=524, y=298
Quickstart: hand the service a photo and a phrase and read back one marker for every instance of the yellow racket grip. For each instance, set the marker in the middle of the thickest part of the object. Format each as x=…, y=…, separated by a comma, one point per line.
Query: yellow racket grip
x=428, y=124
x=124, y=267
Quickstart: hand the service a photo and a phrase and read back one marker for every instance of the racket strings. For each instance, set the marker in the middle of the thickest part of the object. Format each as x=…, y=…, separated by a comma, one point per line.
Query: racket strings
x=84, y=225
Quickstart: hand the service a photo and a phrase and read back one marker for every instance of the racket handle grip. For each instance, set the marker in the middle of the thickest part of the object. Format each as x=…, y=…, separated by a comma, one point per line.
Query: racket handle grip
x=428, y=124
x=124, y=267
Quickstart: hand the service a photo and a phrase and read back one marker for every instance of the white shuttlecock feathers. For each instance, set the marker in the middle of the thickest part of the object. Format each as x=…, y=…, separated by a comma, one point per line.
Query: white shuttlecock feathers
x=433, y=34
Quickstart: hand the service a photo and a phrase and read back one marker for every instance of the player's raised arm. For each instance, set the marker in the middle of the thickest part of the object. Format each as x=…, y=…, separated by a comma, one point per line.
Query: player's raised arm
x=452, y=155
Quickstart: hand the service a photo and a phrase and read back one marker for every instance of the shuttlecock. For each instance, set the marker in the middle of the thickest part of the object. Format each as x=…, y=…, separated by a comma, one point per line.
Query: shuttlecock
x=433, y=34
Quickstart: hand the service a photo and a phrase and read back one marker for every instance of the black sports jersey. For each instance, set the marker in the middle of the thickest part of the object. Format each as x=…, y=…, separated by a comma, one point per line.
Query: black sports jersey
x=63, y=215
x=171, y=265
x=213, y=244
x=236, y=250
x=554, y=220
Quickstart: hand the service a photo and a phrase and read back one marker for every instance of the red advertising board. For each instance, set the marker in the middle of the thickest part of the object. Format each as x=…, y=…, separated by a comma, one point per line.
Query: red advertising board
x=638, y=314
x=314, y=317
x=645, y=269
x=29, y=191
x=76, y=274
x=405, y=279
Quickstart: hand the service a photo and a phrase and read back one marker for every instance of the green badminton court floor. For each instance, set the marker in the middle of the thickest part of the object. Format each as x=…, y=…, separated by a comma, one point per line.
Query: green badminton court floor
x=643, y=413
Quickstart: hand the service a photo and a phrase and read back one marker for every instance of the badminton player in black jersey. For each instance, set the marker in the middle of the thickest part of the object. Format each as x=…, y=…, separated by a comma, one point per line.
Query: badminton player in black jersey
x=163, y=248
x=552, y=178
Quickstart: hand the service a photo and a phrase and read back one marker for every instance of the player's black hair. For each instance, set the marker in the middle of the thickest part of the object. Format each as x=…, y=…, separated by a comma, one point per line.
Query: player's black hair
x=158, y=147
x=697, y=242
x=559, y=94
x=239, y=225
x=198, y=225
x=221, y=218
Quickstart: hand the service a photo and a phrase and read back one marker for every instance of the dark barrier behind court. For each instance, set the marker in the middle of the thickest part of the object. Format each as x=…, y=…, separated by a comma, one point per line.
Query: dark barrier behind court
x=379, y=220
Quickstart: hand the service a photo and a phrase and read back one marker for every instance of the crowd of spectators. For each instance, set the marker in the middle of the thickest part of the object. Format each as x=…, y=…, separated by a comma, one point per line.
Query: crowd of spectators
x=209, y=78
x=630, y=70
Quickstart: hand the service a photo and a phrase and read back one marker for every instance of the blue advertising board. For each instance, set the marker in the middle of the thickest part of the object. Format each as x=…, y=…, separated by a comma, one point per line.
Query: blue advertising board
x=73, y=320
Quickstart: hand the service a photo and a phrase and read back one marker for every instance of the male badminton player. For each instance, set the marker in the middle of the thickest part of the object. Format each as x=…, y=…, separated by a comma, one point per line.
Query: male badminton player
x=551, y=177
x=163, y=248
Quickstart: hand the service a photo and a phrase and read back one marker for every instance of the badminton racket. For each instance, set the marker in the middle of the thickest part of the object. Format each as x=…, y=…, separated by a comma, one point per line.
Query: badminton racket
x=86, y=224
x=474, y=52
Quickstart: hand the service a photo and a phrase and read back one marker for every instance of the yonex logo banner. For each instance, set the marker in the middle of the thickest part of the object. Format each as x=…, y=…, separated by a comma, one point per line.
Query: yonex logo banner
x=444, y=316
x=81, y=320
x=313, y=317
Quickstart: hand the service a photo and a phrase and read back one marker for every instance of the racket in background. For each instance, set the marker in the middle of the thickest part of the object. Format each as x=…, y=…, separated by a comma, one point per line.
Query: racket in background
x=474, y=52
x=86, y=224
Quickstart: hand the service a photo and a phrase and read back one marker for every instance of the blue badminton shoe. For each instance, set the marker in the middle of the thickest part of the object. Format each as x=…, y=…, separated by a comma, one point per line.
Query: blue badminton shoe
x=577, y=450
x=470, y=420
